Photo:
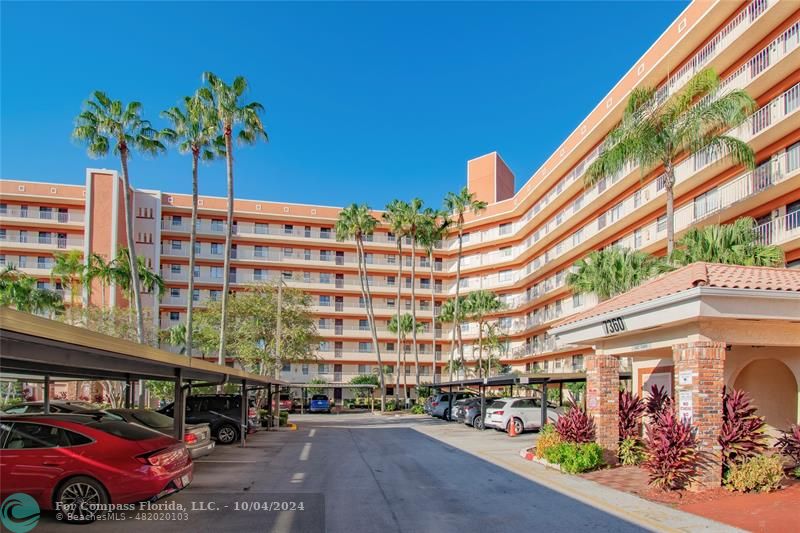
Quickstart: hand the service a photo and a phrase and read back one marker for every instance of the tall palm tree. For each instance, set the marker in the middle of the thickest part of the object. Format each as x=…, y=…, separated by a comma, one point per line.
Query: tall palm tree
x=69, y=269
x=20, y=291
x=97, y=268
x=356, y=222
x=480, y=305
x=416, y=219
x=396, y=216
x=495, y=348
x=448, y=315
x=432, y=232
x=614, y=270
x=457, y=205
x=733, y=244
x=148, y=280
x=402, y=327
x=231, y=111
x=194, y=129
x=109, y=125
x=654, y=134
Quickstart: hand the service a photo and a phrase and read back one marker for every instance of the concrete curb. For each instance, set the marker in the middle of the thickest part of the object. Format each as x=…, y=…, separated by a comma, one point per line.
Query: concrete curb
x=530, y=456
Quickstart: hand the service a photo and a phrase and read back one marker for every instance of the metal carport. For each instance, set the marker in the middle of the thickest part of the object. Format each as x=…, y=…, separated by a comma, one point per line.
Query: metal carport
x=36, y=346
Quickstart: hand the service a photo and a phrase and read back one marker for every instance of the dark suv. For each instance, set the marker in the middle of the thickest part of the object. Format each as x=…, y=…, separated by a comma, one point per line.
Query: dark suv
x=222, y=412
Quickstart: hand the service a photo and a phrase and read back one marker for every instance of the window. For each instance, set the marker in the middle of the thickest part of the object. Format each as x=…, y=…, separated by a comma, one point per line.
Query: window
x=196, y=273
x=323, y=368
x=637, y=238
x=505, y=251
x=3, y=209
x=465, y=238
x=216, y=248
x=615, y=212
x=793, y=157
x=325, y=255
x=195, y=295
x=41, y=262
x=175, y=269
x=577, y=300
x=259, y=251
x=364, y=347
x=3, y=234
x=324, y=301
x=637, y=198
x=288, y=229
x=389, y=346
x=214, y=295
x=176, y=245
x=216, y=225
x=288, y=252
x=661, y=223
x=177, y=220
x=577, y=237
x=390, y=303
x=705, y=203
x=24, y=436
x=174, y=316
x=174, y=292
x=23, y=235
x=325, y=233
x=504, y=275
x=305, y=369
x=505, y=229
x=793, y=215
x=324, y=277
x=216, y=272
x=286, y=275
x=287, y=367
x=258, y=274
x=23, y=261
x=363, y=369
x=390, y=281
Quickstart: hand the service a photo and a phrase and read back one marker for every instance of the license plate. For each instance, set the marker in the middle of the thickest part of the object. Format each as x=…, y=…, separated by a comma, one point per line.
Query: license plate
x=185, y=480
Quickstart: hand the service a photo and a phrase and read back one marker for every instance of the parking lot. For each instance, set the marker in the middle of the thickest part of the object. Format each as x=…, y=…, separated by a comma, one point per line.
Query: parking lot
x=365, y=472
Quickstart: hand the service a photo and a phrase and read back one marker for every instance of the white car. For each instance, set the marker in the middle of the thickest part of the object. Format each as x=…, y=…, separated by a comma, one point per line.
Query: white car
x=525, y=412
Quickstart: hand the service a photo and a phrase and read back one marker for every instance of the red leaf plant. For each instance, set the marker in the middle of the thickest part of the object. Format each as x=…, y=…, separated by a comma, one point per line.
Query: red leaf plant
x=658, y=401
x=631, y=409
x=743, y=432
x=789, y=443
x=672, y=452
x=576, y=426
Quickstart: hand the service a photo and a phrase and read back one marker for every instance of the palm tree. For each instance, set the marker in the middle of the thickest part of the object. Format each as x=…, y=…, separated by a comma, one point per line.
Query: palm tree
x=20, y=291
x=97, y=268
x=194, y=131
x=495, y=348
x=614, y=270
x=448, y=315
x=432, y=232
x=415, y=220
x=231, y=111
x=733, y=244
x=458, y=204
x=402, y=327
x=356, y=222
x=69, y=269
x=148, y=280
x=176, y=336
x=654, y=134
x=396, y=216
x=481, y=304
x=108, y=125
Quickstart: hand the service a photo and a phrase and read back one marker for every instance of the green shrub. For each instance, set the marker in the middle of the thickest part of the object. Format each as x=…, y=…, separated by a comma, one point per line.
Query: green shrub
x=756, y=474
x=796, y=472
x=632, y=451
x=391, y=405
x=575, y=458
x=283, y=418
x=417, y=409
x=548, y=437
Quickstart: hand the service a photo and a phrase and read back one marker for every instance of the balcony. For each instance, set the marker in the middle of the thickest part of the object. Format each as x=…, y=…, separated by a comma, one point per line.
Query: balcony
x=30, y=240
x=37, y=215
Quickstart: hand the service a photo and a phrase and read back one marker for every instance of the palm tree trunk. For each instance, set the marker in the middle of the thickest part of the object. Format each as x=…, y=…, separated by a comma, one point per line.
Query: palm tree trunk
x=669, y=182
x=414, y=309
x=226, y=278
x=456, y=321
x=362, y=276
x=433, y=316
x=480, y=349
x=192, y=239
x=397, y=303
x=405, y=379
x=135, y=294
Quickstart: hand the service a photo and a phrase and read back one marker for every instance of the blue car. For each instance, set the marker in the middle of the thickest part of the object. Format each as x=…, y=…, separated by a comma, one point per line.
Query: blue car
x=319, y=404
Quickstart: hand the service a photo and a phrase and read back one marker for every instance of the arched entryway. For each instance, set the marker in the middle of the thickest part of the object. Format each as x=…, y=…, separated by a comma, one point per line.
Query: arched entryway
x=774, y=390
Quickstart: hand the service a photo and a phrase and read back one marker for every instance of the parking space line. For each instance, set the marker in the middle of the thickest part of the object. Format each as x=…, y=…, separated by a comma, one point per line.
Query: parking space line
x=306, y=451
x=312, y=432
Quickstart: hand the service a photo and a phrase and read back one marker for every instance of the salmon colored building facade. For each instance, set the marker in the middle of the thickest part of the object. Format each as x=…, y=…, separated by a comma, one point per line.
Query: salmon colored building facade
x=521, y=247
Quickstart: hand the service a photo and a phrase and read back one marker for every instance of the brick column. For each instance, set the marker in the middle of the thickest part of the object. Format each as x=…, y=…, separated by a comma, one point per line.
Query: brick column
x=700, y=365
x=602, y=400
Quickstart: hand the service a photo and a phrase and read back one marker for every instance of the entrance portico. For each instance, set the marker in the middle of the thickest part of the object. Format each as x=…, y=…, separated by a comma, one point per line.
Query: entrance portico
x=695, y=331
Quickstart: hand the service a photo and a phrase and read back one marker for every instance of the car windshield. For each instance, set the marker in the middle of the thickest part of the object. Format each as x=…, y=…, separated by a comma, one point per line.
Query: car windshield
x=319, y=397
x=123, y=430
x=497, y=404
x=152, y=419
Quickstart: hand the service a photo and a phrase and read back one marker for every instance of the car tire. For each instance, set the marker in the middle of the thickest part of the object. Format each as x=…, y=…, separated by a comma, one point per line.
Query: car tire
x=227, y=434
x=446, y=414
x=477, y=422
x=518, y=426
x=76, y=490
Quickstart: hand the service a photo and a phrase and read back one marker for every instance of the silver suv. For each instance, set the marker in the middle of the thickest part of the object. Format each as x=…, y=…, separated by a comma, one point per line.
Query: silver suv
x=440, y=403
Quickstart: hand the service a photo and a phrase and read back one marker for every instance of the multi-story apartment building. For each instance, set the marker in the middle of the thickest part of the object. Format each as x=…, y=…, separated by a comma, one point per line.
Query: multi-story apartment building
x=522, y=246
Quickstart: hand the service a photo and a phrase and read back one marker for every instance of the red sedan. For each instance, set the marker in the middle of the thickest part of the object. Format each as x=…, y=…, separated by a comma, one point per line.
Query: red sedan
x=71, y=461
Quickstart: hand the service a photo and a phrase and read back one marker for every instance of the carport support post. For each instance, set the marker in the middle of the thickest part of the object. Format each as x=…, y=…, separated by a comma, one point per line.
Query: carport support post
x=483, y=406
x=128, y=393
x=544, y=404
x=179, y=406
x=450, y=405
x=46, y=395
x=245, y=406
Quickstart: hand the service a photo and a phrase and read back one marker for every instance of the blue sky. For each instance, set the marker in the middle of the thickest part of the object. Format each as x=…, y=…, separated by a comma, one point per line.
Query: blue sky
x=365, y=101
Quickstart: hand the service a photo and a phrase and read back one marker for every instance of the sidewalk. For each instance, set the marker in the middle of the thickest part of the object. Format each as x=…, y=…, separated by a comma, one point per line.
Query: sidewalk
x=502, y=450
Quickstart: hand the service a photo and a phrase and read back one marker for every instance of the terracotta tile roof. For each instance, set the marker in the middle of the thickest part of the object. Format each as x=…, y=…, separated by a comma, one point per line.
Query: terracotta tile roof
x=697, y=275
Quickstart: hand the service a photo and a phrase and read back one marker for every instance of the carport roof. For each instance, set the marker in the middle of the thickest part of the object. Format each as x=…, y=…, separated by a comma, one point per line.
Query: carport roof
x=34, y=345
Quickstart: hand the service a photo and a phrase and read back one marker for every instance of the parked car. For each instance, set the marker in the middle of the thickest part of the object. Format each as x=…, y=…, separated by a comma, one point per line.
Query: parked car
x=64, y=460
x=440, y=403
x=56, y=406
x=526, y=414
x=222, y=412
x=197, y=437
x=469, y=412
x=319, y=404
x=286, y=402
x=426, y=407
